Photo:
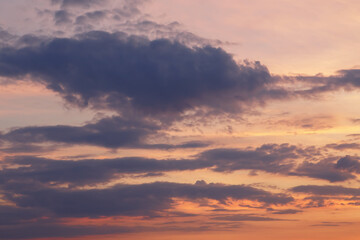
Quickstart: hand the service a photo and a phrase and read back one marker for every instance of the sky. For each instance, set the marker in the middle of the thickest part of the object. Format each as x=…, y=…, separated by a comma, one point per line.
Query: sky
x=158, y=119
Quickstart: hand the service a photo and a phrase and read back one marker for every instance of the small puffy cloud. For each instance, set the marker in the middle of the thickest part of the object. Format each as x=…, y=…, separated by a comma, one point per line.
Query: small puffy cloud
x=62, y=17
x=78, y=3
x=349, y=163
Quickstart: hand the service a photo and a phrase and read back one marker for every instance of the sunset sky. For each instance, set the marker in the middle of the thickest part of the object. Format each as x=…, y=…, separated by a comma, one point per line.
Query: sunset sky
x=180, y=119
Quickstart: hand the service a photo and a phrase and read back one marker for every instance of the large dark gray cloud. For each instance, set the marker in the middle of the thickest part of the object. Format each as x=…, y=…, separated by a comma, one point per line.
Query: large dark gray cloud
x=124, y=73
x=88, y=171
x=38, y=211
x=269, y=158
x=149, y=199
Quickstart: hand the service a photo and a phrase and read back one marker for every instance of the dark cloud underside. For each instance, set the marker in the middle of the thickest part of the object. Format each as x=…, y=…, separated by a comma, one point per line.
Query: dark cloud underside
x=271, y=158
x=118, y=72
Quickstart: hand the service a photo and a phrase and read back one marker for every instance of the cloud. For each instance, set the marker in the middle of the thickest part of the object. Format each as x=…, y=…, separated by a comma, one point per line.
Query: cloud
x=151, y=77
x=269, y=157
x=173, y=31
x=286, y=211
x=349, y=163
x=112, y=132
x=331, y=224
x=5, y=37
x=355, y=136
x=24, y=148
x=62, y=17
x=326, y=190
x=50, y=230
x=107, y=15
x=324, y=169
x=149, y=84
x=78, y=3
x=346, y=79
x=60, y=230
x=355, y=120
x=343, y=146
x=159, y=78
x=130, y=8
x=91, y=16
x=245, y=217
x=87, y=171
x=10, y=215
x=315, y=122
x=148, y=199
